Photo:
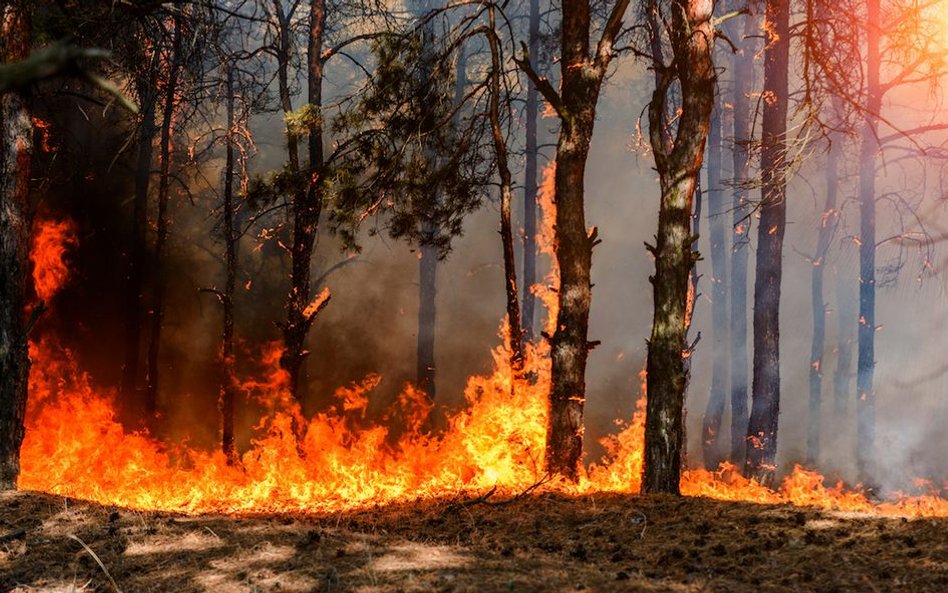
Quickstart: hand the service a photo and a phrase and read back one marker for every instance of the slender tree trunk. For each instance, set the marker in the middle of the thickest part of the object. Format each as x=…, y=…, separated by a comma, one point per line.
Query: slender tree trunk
x=427, y=316
x=506, y=197
x=425, y=370
x=530, y=186
x=828, y=223
x=717, y=210
x=740, y=238
x=847, y=315
x=307, y=203
x=229, y=380
x=765, y=389
x=16, y=151
x=865, y=365
x=134, y=287
x=162, y=223
x=678, y=162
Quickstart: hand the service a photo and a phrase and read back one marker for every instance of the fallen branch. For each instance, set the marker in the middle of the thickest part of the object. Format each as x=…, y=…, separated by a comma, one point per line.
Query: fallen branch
x=485, y=498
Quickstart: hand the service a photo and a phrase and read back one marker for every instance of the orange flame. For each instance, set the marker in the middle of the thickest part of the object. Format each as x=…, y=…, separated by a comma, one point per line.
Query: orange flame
x=51, y=241
x=337, y=459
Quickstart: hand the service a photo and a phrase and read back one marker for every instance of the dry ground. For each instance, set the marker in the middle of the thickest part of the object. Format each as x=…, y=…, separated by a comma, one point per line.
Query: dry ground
x=544, y=543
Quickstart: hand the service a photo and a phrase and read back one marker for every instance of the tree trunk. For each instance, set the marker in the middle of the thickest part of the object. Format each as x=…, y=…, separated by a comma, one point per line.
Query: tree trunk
x=765, y=388
x=847, y=315
x=136, y=251
x=740, y=238
x=678, y=161
x=307, y=203
x=581, y=75
x=865, y=365
x=530, y=186
x=427, y=315
x=506, y=197
x=228, y=389
x=717, y=210
x=828, y=222
x=158, y=304
x=16, y=150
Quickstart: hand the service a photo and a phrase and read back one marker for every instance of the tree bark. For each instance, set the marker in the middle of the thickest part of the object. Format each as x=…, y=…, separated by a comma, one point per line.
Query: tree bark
x=717, y=210
x=530, y=186
x=865, y=365
x=228, y=388
x=427, y=316
x=16, y=150
x=580, y=82
x=506, y=197
x=740, y=238
x=307, y=202
x=678, y=161
x=162, y=223
x=765, y=388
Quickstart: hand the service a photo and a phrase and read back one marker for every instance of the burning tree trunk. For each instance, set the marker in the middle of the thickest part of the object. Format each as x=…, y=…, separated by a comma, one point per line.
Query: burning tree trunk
x=307, y=198
x=740, y=238
x=678, y=159
x=762, y=428
x=711, y=427
x=530, y=185
x=865, y=365
x=16, y=149
x=506, y=195
x=158, y=305
x=828, y=222
x=135, y=284
x=580, y=82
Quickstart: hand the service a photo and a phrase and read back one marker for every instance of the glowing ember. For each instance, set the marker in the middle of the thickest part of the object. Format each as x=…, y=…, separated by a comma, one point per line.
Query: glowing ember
x=75, y=446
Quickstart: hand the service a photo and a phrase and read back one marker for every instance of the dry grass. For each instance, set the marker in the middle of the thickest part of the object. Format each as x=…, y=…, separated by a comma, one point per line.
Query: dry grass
x=543, y=542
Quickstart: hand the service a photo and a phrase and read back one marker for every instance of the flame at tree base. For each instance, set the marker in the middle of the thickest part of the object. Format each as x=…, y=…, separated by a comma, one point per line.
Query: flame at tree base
x=75, y=447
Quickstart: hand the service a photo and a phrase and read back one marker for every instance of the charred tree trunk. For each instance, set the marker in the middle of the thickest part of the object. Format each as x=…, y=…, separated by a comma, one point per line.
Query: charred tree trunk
x=134, y=287
x=16, y=151
x=717, y=209
x=678, y=160
x=865, y=365
x=506, y=197
x=162, y=222
x=828, y=222
x=228, y=389
x=307, y=201
x=740, y=238
x=765, y=389
x=530, y=186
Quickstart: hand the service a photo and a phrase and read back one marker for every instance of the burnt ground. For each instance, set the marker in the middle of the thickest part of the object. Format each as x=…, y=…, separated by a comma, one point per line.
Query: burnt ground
x=544, y=542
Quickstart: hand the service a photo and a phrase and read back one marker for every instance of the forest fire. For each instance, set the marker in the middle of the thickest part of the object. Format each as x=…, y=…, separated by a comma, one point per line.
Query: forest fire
x=477, y=296
x=76, y=447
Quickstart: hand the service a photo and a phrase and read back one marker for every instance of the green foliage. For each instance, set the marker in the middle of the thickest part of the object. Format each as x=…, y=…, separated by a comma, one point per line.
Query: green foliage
x=412, y=158
x=299, y=122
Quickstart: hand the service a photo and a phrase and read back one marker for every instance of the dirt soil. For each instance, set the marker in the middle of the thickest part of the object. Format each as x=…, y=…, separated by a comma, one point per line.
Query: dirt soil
x=542, y=542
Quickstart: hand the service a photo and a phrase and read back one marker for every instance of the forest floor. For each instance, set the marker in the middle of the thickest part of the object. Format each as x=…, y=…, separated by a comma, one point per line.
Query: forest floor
x=543, y=542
